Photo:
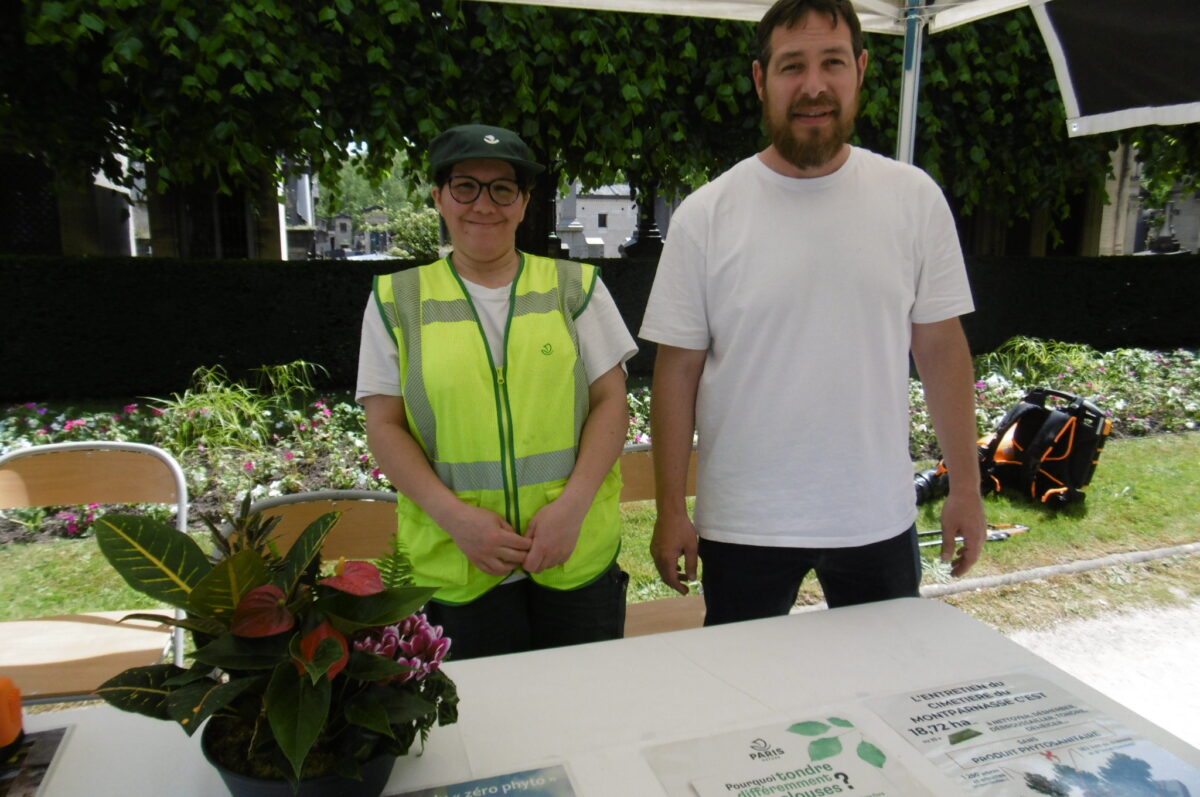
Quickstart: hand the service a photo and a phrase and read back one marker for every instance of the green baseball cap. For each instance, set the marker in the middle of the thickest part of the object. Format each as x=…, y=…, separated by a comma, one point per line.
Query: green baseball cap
x=467, y=142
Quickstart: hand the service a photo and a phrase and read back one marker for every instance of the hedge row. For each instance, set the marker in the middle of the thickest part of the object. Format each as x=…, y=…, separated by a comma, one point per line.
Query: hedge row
x=101, y=327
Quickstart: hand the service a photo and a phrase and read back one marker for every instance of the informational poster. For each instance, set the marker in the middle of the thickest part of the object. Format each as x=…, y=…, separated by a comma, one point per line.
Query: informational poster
x=1020, y=734
x=818, y=755
x=544, y=782
x=21, y=775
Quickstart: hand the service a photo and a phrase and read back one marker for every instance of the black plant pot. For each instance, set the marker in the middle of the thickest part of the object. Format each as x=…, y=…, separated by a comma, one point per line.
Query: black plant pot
x=375, y=774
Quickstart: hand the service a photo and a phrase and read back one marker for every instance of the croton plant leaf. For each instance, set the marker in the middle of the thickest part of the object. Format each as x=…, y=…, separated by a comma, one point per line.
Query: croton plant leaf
x=154, y=558
x=304, y=550
x=141, y=690
x=219, y=593
x=191, y=705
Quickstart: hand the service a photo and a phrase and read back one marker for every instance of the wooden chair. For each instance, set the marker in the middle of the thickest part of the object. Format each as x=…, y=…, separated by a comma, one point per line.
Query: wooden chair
x=665, y=614
x=67, y=657
x=365, y=530
x=637, y=473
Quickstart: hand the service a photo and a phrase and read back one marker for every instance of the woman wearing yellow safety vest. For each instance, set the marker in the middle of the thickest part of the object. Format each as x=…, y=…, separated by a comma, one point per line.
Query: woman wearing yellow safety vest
x=494, y=388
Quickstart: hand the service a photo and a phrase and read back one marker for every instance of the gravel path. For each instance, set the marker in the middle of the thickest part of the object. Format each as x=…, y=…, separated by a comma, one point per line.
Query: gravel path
x=1149, y=660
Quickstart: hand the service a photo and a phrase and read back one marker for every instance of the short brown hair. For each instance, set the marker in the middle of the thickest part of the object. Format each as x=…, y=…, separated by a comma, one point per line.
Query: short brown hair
x=786, y=13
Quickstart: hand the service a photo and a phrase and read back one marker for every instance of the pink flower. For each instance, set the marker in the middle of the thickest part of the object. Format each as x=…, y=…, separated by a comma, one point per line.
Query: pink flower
x=248, y=466
x=130, y=409
x=74, y=424
x=376, y=473
x=289, y=456
x=412, y=642
x=157, y=412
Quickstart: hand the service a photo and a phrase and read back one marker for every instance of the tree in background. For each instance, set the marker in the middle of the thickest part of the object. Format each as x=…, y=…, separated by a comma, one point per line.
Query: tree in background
x=233, y=92
x=400, y=192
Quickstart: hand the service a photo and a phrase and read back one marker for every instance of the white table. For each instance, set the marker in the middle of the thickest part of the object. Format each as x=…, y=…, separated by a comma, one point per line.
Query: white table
x=596, y=707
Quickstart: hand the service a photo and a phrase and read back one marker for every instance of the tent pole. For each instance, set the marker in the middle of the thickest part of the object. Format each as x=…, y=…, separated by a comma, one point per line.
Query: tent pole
x=910, y=82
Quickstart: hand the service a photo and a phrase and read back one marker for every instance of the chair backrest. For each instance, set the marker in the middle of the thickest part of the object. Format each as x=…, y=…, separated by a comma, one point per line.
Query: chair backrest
x=92, y=472
x=364, y=531
x=637, y=474
x=96, y=472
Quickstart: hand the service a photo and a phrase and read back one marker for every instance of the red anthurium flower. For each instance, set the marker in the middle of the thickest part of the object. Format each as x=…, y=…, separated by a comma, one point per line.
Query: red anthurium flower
x=356, y=578
x=313, y=639
x=262, y=612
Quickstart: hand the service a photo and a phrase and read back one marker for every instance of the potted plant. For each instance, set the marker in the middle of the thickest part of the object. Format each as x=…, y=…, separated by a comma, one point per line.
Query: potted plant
x=301, y=675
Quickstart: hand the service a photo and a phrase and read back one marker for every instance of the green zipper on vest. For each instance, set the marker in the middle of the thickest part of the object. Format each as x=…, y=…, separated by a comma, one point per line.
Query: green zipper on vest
x=508, y=446
x=508, y=459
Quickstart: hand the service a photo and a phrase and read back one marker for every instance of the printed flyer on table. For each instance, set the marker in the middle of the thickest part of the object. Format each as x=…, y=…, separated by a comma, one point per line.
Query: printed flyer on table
x=822, y=754
x=1019, y=734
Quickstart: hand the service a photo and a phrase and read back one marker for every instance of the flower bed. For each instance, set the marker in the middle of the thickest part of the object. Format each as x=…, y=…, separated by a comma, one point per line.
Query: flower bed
x=232, y=439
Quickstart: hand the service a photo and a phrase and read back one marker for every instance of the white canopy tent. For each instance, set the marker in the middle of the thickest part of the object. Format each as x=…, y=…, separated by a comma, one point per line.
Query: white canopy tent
x=1119, y=63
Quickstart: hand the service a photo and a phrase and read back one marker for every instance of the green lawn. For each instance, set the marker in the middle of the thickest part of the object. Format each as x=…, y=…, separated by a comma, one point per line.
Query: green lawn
x=1145, y=495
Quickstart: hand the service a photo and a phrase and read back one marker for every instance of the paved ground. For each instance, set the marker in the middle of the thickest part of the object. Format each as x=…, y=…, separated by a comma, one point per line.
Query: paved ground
x=1148, y=660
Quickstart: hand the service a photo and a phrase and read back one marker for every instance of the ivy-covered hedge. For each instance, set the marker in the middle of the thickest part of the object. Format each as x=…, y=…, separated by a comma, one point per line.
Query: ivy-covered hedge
x=99, y=327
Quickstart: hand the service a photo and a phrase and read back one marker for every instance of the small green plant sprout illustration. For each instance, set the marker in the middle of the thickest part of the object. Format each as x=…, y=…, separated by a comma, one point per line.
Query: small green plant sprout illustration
x=830, y=746
x=958, y=737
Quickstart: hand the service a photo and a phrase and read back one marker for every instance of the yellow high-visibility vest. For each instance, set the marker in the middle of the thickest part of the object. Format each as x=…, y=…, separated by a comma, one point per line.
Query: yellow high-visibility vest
x=504, y=438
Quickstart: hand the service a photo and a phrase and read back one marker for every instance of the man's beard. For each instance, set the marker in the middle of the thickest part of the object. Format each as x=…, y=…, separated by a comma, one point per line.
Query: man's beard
x=813, y=148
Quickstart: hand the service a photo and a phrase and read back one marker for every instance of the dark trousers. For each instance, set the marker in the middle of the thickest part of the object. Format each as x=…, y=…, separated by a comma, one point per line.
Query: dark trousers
x=524, y=616
x=748, y=582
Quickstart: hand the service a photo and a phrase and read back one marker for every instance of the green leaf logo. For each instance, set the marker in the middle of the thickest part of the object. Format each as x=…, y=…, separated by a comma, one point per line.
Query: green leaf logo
x=828, y=747
x=547, y=349
x=809, y=728
x=871, y=754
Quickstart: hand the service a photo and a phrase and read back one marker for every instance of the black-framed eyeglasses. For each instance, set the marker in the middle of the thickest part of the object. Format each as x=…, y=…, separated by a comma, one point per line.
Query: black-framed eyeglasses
x=467, y=189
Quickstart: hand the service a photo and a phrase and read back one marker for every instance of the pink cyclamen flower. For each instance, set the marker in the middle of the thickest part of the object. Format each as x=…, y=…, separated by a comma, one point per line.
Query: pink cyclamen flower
x=412, y=642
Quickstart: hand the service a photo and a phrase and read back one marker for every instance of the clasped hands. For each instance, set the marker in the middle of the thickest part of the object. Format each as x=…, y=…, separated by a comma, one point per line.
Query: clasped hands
x=491, y=544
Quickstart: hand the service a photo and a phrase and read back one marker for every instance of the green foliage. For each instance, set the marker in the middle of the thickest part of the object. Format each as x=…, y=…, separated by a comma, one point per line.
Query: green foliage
x=1169, y=158
x=358, y=188
x=167, y=567
x=229, y=91
x=415, y=233
x=991, y=123
x=237, y=92
x=240, y=634
x=1034, y=361
x=224, y=413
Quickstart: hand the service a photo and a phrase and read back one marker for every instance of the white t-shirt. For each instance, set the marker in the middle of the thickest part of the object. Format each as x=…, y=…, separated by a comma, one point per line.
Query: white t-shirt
x=604, y=341
x=803, y=292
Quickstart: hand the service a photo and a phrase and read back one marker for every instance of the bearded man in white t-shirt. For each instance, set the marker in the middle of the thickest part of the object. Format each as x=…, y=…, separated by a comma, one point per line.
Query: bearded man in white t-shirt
x=788, y=297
